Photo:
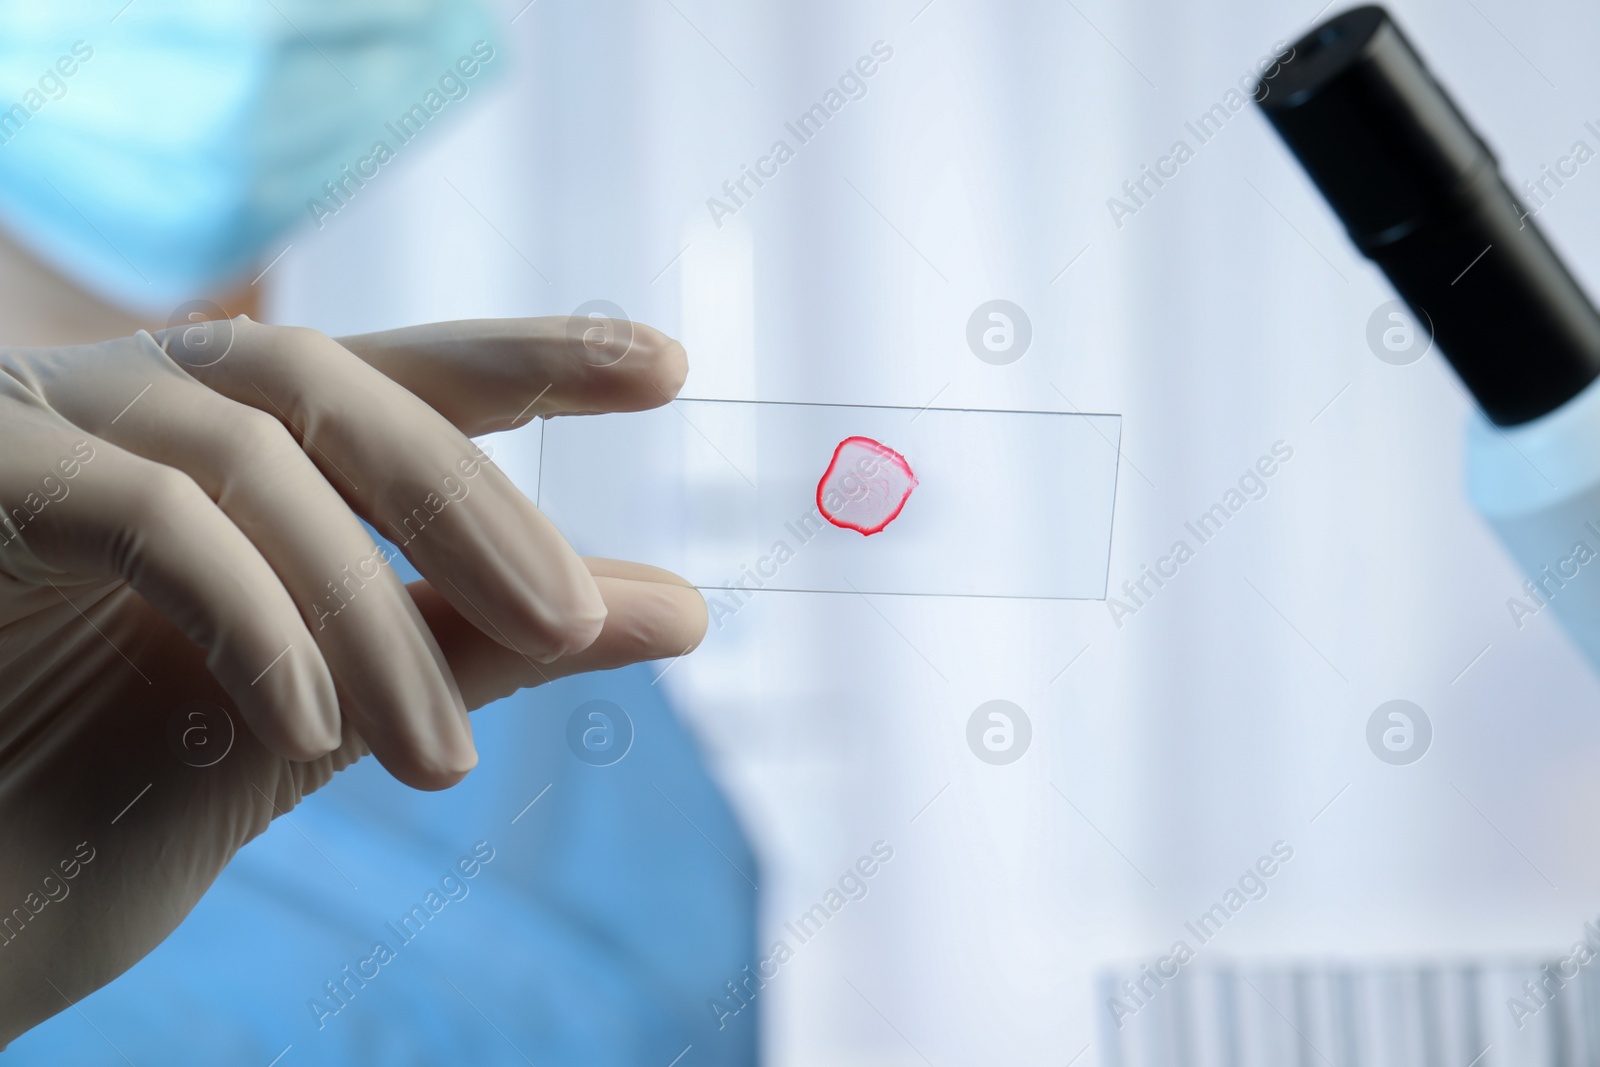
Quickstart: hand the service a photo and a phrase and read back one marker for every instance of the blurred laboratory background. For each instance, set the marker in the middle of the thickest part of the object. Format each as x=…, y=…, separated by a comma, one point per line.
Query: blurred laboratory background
x=1178, y=734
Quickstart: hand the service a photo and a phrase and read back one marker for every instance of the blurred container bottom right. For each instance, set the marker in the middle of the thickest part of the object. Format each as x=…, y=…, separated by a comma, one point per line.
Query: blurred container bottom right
x=1170, y=1012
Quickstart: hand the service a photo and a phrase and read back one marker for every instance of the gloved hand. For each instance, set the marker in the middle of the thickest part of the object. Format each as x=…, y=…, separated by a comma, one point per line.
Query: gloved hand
x=181, y=551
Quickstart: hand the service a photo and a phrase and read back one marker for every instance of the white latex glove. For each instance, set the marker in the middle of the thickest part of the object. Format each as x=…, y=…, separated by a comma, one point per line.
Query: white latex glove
x=181, y=527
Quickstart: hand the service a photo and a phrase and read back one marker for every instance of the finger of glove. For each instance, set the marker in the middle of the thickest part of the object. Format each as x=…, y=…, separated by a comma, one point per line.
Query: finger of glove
x=419, y=481
x=651, y=614
x=103, y=512
x=392, y=680
x=495, y=374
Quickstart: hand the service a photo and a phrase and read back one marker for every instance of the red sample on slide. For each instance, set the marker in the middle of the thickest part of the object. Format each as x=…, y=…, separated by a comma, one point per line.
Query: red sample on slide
x=865, y=487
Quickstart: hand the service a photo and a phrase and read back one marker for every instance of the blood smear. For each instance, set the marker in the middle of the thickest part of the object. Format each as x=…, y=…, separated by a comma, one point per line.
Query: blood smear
x=865, y=487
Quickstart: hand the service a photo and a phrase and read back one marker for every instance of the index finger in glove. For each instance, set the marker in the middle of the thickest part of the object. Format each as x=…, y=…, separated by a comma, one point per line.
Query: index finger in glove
x=496, y=374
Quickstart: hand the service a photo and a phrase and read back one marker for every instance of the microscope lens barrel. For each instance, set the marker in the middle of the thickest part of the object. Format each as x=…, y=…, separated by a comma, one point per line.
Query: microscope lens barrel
x=1421, y=195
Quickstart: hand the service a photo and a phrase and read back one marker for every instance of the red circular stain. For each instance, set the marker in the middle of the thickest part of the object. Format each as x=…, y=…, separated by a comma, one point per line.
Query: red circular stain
x=865, y=487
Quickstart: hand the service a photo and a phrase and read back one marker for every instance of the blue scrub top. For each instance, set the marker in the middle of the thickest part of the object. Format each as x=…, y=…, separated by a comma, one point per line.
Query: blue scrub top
x=614, y=910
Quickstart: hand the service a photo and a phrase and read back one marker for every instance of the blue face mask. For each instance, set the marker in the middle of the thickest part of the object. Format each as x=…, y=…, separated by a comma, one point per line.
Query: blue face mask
x=164, y=155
